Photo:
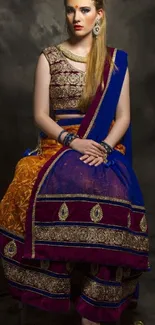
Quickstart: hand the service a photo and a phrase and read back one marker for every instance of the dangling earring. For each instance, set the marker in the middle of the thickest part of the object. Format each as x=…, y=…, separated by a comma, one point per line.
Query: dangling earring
x=97, y=28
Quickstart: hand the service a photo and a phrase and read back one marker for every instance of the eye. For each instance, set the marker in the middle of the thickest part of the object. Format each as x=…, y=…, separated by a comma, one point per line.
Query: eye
x=85, y=10
x=69, y=10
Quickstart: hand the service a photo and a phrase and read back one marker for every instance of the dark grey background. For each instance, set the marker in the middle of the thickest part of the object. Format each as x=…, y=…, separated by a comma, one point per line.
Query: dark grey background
x=26, y=27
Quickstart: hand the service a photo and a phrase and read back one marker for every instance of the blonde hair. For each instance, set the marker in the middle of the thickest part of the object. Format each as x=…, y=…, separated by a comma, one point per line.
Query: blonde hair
x=95, y=62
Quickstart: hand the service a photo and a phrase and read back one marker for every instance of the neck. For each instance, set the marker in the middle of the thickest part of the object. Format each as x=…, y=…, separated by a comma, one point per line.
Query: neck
x=82, y=45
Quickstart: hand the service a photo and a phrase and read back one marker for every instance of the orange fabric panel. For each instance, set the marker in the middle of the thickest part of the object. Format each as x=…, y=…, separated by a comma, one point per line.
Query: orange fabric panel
x=14, y=204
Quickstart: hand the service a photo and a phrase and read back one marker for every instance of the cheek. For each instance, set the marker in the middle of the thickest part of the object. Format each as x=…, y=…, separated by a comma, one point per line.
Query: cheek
x=70, y=18
x=90, y=21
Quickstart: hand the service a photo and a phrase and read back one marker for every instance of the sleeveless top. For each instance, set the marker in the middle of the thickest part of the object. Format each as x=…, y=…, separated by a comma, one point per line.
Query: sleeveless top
x=66, y=84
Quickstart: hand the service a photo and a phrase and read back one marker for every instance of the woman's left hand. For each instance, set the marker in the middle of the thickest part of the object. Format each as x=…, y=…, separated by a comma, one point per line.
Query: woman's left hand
x=92, y=161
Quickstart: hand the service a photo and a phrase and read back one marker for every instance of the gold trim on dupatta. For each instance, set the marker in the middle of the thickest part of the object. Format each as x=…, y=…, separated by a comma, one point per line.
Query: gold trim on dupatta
x=104, y=93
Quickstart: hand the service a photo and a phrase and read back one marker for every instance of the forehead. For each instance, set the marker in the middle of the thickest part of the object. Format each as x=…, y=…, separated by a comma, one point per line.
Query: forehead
x=80, y=3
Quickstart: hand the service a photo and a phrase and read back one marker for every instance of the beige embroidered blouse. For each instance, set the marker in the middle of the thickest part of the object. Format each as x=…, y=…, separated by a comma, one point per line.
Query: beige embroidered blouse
x=66, y=83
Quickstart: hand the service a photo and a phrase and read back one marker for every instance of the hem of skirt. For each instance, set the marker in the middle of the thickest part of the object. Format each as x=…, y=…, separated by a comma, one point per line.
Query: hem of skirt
x=96, y=314
x=40, y=302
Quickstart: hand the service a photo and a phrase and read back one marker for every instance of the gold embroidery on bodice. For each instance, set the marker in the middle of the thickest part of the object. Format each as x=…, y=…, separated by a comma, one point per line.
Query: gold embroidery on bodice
x=67, y=82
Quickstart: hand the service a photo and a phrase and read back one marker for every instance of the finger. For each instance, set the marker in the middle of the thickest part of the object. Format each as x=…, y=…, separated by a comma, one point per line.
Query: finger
x=94, y=161
x=84, y=157
x=89, y=159
x=95, y=153
x=99, y=163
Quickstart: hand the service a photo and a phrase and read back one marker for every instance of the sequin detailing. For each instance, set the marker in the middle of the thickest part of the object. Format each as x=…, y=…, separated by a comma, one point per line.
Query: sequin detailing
x=95, y=235
x=10, y=249
x=63, y=212
x=102, y=292
x=96, y=213
x=143, y=224
x=35, y=279
x=67, y=82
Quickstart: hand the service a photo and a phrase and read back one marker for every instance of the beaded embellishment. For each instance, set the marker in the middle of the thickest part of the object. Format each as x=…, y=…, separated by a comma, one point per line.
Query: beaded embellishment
x=63, y=212
x=96, y=213
x=143, y=224
x=10, y=249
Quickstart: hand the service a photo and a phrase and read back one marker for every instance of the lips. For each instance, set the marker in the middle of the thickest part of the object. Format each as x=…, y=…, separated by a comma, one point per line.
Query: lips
x=78, y=27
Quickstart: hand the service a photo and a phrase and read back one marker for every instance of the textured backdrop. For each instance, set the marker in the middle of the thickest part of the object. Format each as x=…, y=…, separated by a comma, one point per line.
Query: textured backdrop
x=26, y=27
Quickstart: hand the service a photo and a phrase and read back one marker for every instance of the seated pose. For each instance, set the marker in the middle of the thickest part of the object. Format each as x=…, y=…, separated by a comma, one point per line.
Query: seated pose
x=75, y=205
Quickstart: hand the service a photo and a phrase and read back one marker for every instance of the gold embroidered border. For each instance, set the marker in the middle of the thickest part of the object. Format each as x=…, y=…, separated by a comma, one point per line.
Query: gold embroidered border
x=94, y=235
x=104, y=93
x=36, y=279
x=90, y=196
x=108, y=293
x=34, y=203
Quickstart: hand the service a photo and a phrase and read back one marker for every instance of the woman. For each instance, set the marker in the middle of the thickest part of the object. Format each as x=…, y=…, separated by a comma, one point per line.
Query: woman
x=74, y=202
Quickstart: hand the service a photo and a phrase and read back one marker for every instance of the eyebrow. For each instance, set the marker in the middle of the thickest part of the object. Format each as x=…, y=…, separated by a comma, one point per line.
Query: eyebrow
x=79, y=7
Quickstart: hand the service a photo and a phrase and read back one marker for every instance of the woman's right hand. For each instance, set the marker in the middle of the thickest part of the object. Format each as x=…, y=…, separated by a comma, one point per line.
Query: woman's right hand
x=88, y=147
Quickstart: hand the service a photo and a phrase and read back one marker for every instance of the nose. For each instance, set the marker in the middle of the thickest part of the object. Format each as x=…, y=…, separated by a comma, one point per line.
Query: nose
x=76, y=16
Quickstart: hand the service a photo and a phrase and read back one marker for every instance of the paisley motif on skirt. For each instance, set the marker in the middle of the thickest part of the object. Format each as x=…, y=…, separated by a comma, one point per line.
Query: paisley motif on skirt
x=63, y=212
x=143, y=224
x=96, y=213
x=10, y=249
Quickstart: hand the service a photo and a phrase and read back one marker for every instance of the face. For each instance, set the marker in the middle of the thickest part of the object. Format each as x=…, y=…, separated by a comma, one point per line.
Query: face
x=81, y=16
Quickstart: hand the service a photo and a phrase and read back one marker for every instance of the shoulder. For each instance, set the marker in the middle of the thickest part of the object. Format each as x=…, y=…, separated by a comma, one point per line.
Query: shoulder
x=119, y=57
x=49, y=49
x=51, y=53
x=117, y=51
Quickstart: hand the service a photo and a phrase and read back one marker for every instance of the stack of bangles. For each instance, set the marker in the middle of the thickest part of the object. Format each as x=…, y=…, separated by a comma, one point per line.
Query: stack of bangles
x=67, y=139
x=107, y=147
x=71, y=136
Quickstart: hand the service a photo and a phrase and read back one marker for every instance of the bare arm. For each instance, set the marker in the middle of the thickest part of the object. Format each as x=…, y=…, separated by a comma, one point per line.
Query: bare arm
x=41, y=100
x=122, y=120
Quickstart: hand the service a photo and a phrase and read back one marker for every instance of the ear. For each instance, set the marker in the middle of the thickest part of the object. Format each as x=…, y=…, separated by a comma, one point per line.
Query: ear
x=100, y=13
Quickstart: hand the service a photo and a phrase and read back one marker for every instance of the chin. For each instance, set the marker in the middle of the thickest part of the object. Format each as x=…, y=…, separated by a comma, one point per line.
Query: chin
x=80, y=33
